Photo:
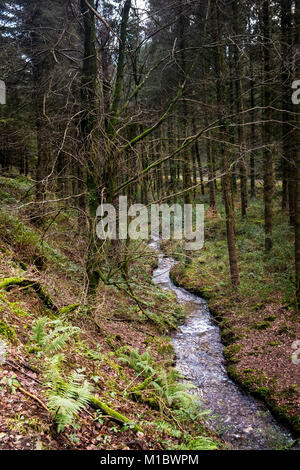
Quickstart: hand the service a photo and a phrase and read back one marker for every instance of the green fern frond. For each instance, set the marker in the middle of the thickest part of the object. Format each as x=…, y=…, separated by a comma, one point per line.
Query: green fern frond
x=38, y=330
x=52, y=335
x=66, y=397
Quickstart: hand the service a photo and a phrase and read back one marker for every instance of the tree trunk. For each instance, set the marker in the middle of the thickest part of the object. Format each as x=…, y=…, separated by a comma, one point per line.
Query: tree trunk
x=240, y=109
x=226, y=178
x=252, y=133
x=267, y=128
x=43, y=66
x=88, y=120
x=297, y=157
x=111, y=162
x=286, y=26
x=182, y=30
x=198, y=158
x=210, y=162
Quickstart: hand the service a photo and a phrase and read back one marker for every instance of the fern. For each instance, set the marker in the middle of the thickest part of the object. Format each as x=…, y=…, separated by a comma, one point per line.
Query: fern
x=166, y=386
x=56, y=337
x=66, y=396
x=141, y=363
x=38, y=330
x=198, y=443
x=176, y=394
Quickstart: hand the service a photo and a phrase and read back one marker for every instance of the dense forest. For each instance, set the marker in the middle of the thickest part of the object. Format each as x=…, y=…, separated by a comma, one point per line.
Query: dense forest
x=159, y=103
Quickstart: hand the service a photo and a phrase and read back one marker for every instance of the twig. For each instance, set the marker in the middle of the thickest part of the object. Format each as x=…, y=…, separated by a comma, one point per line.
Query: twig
x=33, y=397
x=22, y=372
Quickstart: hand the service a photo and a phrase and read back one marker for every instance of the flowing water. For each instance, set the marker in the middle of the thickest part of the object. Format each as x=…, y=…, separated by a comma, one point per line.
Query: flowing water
x=241, y=420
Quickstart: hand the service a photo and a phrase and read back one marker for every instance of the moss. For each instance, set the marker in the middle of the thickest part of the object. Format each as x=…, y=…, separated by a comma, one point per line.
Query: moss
x=29, y=243
x=262, y=325
x=7, y=331
x=114, y=366
x=26, y=284
x=142, y=385
x=146, y=396
x=228, y=336
x=262, y=391
x=190, y=281
x=5, y=283
x=32, y=349
x=230, y=351
x=114, y=414
x=270, y=318
x=14, y=306
x=255, y=308
x=162, y=345
x=23, y=265
x=291, y=390
x=67, y=309
x=110, y=342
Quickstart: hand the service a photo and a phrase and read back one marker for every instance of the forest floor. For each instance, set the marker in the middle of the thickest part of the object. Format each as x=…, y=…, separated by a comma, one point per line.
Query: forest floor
x=258, y=321
x=118, y=345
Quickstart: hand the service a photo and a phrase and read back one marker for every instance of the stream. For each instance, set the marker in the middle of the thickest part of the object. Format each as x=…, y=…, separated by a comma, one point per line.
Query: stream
x=241, y=420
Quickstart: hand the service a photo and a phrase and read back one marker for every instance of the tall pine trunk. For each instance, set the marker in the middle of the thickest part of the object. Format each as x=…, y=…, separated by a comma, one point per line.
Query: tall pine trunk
x=297, y=156
x=223, y=137
x=43, y=66
x=89, y=172
x=240, y=109
x=252, y=132
x=267, y=126
x=287, y=168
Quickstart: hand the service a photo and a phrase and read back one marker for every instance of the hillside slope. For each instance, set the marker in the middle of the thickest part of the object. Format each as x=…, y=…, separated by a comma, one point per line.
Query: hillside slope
x=81, y=373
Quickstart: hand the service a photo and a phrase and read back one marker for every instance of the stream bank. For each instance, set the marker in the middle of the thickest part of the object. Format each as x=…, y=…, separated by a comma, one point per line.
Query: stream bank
x=240, y=419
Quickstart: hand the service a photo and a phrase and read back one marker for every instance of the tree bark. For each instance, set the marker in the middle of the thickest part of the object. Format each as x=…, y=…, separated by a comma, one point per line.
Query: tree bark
x=252, y=131
x=297, y=156
x=226, y=178
x=240, y=109
x=287, y=168
x=267, y=128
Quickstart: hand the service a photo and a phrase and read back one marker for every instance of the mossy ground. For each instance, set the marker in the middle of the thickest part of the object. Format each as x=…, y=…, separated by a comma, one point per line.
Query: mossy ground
x=258, y=321
x=112, y=327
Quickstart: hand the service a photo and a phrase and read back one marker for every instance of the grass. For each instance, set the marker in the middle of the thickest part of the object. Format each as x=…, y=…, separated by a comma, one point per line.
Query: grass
x=261, y=275
x=28, y=242
x=257, y=319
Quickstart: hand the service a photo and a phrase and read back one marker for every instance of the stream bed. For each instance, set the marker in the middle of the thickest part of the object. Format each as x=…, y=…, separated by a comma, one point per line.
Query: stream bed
x=242, y=421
